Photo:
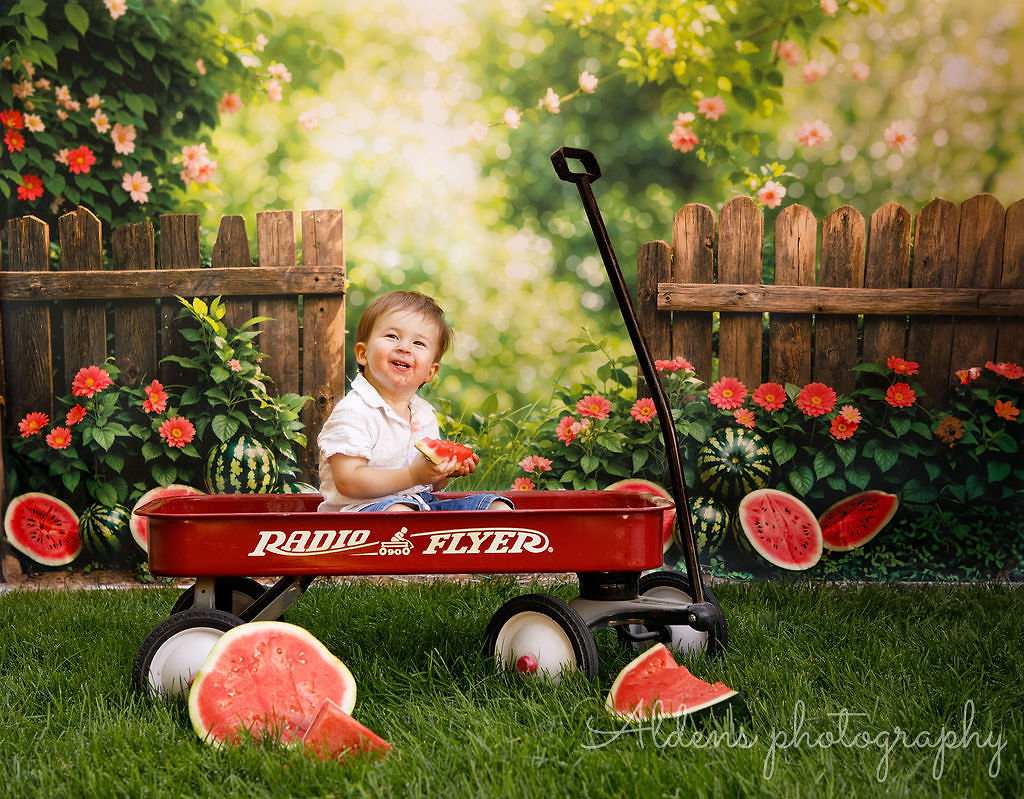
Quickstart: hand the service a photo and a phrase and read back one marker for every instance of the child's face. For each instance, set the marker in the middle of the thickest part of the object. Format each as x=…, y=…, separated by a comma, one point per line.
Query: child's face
x=399, y=355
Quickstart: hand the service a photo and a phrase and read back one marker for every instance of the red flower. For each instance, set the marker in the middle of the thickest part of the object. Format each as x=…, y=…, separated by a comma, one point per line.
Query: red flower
x=1010, y=371
x=745, y=417
x=566, y=430
x=643, y=410
x=522, y=484
x=770, y=396
x=59, y=438
x=156, y=398
x=535, y=463
x=177, y=432
x=900, y=395
x=679, y=363
x=75, y=415
x=1007, y=410
x=902, y=367
x=15, y=141
x=80, y=160
x=842, y=429
x=816, y=399
x=32, y=423
x=31, y=188
x=12, y=119
x=727, y=393
x=968, y=375
x=594, y=405
x=90, y=380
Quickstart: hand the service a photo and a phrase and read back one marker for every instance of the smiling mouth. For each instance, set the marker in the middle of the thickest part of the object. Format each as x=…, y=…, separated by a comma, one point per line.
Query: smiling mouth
x=401, y=365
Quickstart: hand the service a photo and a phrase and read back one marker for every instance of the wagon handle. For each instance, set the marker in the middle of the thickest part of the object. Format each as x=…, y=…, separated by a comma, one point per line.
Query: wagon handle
x=583, y=180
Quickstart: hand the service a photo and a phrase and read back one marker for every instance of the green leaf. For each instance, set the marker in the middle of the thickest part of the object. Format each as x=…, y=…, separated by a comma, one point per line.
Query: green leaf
x=219, y=374
x=490, y=405
x=802, y=479
x=37, y=28
x=147, y=51
x=589, y=464
x=823, y=465
x=997, y=471
x=106, y=493
x=164, y=473
x=71, y=480
x=103, y=437
x=77, y=16
x=792, y=390
x=915, y=492
x=151, y=450
x=871, y=368
x=744, y=97
x=1005, y=443
x=885, y=459
x=922, y=430
x=783, y=450
x=640, y=457
x=846, y=453
x=114, y=462
x=830, y=43
x=836, y=483
x=224, y=427
x=900, y=425
x=858, y=478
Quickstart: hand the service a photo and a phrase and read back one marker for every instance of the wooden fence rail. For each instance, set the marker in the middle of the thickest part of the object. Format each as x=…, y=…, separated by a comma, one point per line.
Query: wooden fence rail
x=949, y=297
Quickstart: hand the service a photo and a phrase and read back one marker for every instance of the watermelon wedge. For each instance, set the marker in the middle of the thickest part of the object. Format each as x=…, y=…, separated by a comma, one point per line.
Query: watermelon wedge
x=436, y=450
x=855, y=520
x=654, y=686
x=635, y=485
x=334, y=735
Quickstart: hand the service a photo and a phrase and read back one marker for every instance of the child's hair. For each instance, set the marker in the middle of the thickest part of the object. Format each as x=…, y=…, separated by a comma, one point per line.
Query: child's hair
x=405, y=301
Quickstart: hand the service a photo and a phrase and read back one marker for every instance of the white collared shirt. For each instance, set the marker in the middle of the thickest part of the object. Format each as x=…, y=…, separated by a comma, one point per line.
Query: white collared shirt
x=364, y=425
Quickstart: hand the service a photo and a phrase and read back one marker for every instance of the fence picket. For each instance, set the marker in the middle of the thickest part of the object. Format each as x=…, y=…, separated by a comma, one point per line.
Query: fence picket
x=1010, y=342
x=179, y=249
x=84, y=322
x=275, y=240
x=842, y=266
x=693, y=243
x=232, y=250
x=888, y=267
x=134, y=247
x=653, y=266
x=789, y=350
x=740, y=238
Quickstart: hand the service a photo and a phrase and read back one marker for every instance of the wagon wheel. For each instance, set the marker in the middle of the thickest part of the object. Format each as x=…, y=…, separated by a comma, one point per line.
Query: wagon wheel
x=176, y=649
x=544, y=628
x=676, y=587
x=242, y=591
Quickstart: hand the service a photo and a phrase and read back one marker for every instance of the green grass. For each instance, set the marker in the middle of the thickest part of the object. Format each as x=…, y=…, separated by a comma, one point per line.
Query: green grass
x=907, y=658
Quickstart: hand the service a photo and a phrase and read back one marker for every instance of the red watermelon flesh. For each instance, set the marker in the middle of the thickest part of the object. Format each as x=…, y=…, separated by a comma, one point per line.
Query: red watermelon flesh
x=654, y=686
x=43, y=528
x=437, y=450
x=781, y=529
x=266, y=678
x=140, y=524
x=637, y=486
x=854, y=521
x=334, y=735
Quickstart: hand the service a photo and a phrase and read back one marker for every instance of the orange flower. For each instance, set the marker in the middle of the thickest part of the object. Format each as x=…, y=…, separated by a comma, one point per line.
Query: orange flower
x=900, y=395
x=569, y=428
x=59, y=438
x=594, y=405
x=770, y=396
x=816, y=399
x=1011, y=371
x=727, y=394
x=949, y=430
x=902, y=367
x=80, y=160
x=75, y=415
x=1007, y=410
x=177, y=432
x=32, y=423
x=522, y=484
x=745, y=417
x=90, y=380
x=968, y=375
x=156, y=398
x=679, y=363
x=850, y=414
x=643, y=410
x=15, y=141
x=842, y=428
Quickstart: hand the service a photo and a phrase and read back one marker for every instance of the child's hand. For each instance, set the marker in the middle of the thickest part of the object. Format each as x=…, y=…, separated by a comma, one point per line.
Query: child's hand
x=468, y=466
x=425, y=471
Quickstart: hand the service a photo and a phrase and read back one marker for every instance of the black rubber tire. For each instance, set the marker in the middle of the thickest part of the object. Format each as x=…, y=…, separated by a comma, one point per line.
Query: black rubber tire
x=718, y=636
x=244, y=591
x=167, y=629
x=579, y=634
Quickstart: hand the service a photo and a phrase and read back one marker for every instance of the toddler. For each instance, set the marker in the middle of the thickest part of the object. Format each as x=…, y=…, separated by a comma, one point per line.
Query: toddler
x=368, y=458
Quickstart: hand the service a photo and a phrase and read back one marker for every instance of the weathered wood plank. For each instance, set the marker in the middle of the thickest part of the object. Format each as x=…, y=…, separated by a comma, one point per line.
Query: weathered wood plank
x=693, y=257
x=232, y=250
x=828, y=300
x=653, y=264
x=28, y=352
x=323, y=330
x=888, y=266
x=134, y=247
x=789, y=347
x=931, y=337
x=275, y=239
x=842, y=266
x=84, y=322
x=979, y=265
x=179, y=249
x=1010, y=342
x=740, y=238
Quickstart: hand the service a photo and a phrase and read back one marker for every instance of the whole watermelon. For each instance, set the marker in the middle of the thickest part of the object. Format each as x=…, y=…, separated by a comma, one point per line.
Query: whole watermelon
x=734, y=462
x=105, y=531
x=710, y=522
x=241, y=465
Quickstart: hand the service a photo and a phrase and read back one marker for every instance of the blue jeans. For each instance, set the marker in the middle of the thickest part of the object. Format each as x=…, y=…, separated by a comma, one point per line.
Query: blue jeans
x=427, y=501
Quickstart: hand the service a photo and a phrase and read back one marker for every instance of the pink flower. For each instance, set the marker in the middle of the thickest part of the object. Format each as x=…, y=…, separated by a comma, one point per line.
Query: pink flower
x=813, y=133
x=677, y=364
x=588, y=83
x=93, y=101
x=829, y=7
x=274, y=91
x=663, y=39
x=860, y=71
x=59, y=438
x=90, y=380
x=850, y=414
x=260, y=43
x=234, y=365
x=968, y=375
x=32, y=423
x=745, y=417
x=727, y=393
x=200, y=66
x=814, y=71
x=816, y=399
x=683, y=139
x=594, y=405
x=789, y=51
x=522, y=484
x=137, y=185
x=279, y=72
x=23, y=89
x=230, y=103
x=34, y=123
x=566, y=432
x=62, y=94
x=62, y=156
x=1007, y=369
x=124, y=138
x=117, y=8
x=900, y=136
x=644, y=410
x=551, y=102
x=177, y=432
x=535, y=463
x=156, y=398
x=512, y=118
x=771, y=194
x=711, y=107
x=902, y=367
x=684, y=119
x=101, y=121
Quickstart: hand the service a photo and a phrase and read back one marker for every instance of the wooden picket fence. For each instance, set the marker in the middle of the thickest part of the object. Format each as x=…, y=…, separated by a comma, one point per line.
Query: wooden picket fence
x=950, y=297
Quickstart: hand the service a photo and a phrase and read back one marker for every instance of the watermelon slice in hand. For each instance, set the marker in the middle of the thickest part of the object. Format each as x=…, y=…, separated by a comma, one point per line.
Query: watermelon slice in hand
x=334, y=735
x=654, y=686
x=635, y=485
x=438, y=450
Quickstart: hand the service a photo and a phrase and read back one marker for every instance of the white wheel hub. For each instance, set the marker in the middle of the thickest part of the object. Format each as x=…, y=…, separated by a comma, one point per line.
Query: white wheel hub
x=683, y=638
x=178, y=659
x=531, y=633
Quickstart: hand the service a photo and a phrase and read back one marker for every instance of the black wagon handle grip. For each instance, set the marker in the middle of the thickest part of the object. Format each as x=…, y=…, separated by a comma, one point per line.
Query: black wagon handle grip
x=559, y=158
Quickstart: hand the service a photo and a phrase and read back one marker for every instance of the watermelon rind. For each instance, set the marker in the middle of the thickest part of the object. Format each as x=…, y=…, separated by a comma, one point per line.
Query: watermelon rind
x=780, y=502
x=437, y=450
x=241, y=465
x=733, y=462
x=637, y=485
x=711, y=521
x=837, y=517
x=241, y=637
x=20, y=537
x=140, y=525
x=334, y=734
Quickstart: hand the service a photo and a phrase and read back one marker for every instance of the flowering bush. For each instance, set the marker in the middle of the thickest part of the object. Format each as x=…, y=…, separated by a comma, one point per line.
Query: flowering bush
x=115, y=442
